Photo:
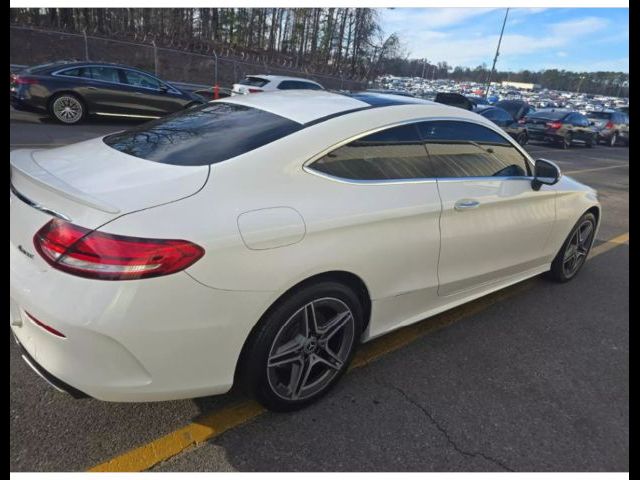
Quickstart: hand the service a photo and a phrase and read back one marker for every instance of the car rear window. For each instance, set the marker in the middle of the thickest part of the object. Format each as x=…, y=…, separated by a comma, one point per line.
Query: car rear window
x=254, y=81
x=549, y=115
x=203, y=135
x=600, y=115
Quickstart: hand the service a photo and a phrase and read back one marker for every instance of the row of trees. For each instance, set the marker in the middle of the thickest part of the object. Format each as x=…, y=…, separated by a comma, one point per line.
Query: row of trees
x=341, y=41
x=338, y=40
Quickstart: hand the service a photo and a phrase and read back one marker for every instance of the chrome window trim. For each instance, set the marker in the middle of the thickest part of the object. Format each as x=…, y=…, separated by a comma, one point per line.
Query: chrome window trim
x=306, y=166
x=170, y=88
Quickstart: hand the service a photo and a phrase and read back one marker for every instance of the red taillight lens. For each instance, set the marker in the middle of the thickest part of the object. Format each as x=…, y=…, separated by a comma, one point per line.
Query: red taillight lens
x=45, y=326
x=24, y=80
x=554, y=125
x=103, y=256
x=609, y=124
x=254, y=90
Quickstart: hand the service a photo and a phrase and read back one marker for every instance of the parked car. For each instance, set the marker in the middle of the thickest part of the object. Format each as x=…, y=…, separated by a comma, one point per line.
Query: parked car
x=138, y=272
x=210, y=93
x=71, y=91
x=612, y=126
x=455, y=100
x=504, y=120
x=265, y=83
x=518, y=109
x=391, y=92
x=563, y=127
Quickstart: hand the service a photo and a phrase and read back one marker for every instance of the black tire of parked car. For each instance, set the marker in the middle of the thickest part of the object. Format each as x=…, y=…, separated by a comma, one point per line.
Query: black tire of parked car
x=566, y=141
x=253, y=374
x=522, y=138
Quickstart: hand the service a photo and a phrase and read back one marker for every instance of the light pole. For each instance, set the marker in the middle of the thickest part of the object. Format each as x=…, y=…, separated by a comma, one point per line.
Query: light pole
x=495, y=59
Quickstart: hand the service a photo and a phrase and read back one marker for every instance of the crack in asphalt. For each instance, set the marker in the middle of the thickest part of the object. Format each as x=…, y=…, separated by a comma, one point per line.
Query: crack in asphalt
x=440, y=428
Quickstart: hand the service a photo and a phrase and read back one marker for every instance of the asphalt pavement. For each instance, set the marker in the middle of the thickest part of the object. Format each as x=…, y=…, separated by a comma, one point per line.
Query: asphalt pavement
x=535, y=381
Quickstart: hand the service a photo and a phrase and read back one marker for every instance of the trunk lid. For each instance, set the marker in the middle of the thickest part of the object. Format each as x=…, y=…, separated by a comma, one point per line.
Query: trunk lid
x=91, y=183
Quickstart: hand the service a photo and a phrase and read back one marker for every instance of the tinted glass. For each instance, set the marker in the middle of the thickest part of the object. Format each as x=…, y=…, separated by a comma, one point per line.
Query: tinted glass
x=599, y=115
x=513, y=108
x=548, y=115
x=396, y=153
x=138, y=79
x=105, y=74
x=295, y=85
x=203, y=135
x=254, y=81
x=75, y=72
x=462, y=149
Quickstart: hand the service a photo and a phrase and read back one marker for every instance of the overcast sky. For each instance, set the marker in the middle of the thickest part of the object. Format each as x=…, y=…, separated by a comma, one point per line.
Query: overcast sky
x=578, y=39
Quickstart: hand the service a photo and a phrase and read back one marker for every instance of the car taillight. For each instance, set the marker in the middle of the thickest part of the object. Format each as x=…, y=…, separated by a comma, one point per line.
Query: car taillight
x=92, y=254
x=609, y=124
x=254, y=90
x=554, y=125
x=24, y=80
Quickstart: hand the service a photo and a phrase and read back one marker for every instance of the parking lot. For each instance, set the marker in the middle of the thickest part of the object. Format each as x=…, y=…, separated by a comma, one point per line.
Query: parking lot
x=531, y=378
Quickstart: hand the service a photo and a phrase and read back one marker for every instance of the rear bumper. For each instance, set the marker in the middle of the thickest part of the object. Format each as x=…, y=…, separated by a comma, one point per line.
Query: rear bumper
x=45, y=375
x=544, y=136
x=165, y=338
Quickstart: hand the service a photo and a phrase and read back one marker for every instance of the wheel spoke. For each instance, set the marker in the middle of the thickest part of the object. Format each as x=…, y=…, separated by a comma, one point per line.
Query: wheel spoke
x=328, y=358
x=299, y=376
x=288, y=353
x=583, y=235
x=311, y=324
x=335, y=325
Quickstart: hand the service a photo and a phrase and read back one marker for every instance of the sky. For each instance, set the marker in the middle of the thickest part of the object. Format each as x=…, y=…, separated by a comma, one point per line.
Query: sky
x=576, y=39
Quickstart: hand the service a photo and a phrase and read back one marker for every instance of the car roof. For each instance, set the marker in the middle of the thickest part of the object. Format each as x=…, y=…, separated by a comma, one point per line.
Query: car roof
x=273, y=78
x=313, y=106
x=81, y=63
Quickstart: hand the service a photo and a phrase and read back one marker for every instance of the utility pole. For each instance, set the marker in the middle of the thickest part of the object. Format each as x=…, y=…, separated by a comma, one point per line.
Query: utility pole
x=495, y=59
x=424, y=64
x=580, y=83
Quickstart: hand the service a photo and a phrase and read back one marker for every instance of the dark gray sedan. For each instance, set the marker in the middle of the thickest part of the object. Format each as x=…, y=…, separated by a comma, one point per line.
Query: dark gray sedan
x=71, y=91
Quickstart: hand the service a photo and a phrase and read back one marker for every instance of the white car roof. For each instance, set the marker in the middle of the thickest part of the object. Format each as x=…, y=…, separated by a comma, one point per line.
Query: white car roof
x=273, y=78
x=305, y=106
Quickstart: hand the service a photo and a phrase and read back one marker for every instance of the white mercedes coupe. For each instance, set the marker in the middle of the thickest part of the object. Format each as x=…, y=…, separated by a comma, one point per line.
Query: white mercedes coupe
x=258, y=239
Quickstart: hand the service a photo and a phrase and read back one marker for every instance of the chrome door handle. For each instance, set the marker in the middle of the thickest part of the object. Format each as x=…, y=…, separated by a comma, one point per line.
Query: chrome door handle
x=466, y=204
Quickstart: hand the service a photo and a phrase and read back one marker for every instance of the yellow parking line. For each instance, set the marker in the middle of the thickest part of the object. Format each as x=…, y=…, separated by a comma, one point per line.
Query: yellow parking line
x=213, y=424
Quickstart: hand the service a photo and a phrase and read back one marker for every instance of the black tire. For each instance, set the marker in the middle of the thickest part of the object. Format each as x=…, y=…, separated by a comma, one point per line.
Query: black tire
x=522, y=138
x=262, y=381
x=591, y=142
x=566, y=141
x=558, y=271
x=77, y=108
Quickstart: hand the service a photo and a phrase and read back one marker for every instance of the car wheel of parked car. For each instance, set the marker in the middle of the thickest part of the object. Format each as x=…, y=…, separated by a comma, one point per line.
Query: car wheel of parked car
x=67, y=108
x=302, y=346
x=522, y=138
x=566, y=141
x=613, y=140
x=575, y=249
x=589, y=143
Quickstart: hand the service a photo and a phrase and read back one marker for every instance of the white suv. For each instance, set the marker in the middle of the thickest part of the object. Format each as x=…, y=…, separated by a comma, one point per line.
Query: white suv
x=265, y=83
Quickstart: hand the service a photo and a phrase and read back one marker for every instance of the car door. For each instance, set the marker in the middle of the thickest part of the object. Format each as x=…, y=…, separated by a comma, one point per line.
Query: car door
x=103, y=91
x=493, y=224
x=148, y=96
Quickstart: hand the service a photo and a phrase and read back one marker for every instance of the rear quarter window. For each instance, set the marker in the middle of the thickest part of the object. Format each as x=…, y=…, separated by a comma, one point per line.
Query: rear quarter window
x=203, y=135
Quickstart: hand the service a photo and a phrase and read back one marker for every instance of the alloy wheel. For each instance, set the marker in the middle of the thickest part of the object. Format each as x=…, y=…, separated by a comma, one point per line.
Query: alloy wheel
x=310, y=349
x=577, y=248
x=67, y=109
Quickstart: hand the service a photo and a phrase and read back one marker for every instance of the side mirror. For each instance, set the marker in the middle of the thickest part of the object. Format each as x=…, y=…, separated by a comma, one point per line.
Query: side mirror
x=546, y=173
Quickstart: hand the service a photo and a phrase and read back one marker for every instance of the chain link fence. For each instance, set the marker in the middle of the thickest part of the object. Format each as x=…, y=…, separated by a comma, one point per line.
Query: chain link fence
x=30, y=46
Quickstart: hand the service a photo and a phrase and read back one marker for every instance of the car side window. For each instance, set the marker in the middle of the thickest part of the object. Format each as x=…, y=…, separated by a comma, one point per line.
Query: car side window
x=137, y=79
x=76, y=72
x=462, y=149
x=105, y=74
x=393, y=154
